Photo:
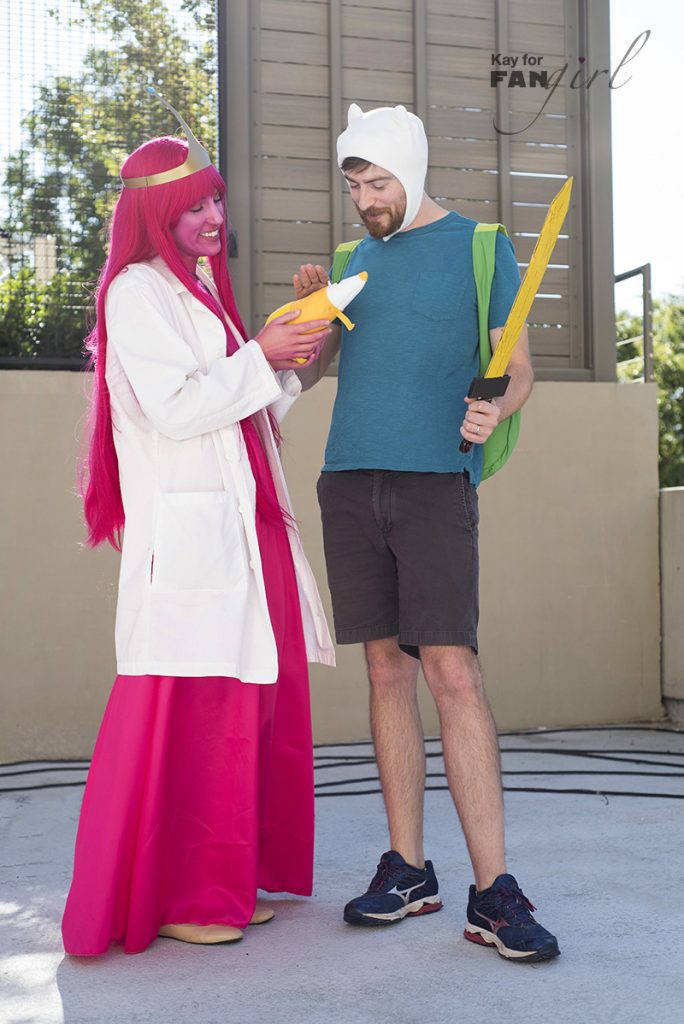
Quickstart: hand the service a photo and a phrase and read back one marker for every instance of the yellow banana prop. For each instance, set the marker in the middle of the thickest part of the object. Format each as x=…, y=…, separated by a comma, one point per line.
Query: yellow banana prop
x=325, y=304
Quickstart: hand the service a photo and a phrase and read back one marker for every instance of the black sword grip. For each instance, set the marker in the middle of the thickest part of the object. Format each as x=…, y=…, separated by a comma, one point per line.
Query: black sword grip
x=484, y=389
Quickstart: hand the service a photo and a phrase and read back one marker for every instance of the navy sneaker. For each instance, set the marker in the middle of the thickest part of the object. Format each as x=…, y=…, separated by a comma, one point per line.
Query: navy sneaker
x=397, y=890
x=501, y=916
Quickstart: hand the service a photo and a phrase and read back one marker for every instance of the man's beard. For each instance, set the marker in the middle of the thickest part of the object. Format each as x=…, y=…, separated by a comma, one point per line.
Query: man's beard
x=379, y=227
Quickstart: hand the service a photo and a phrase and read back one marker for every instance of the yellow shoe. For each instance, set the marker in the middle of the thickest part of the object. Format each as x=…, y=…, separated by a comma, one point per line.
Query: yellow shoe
x=202, y=934
x=262, y=913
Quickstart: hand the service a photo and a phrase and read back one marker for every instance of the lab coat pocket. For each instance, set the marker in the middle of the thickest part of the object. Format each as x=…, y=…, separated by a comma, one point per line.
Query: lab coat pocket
x=199, y=543
x=438, y=296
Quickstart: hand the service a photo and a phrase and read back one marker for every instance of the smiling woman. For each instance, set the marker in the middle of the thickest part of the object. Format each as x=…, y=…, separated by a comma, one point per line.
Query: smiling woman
x=197, y=231
x=201, y=787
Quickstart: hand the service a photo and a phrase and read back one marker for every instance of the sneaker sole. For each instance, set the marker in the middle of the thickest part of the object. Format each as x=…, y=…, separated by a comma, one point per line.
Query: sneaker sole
x=481, y=937
x=429, y=905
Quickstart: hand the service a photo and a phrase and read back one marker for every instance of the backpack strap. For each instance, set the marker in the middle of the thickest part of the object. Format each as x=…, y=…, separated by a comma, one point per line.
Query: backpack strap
x=341, y=259
x=499, y=446
x=484, y=262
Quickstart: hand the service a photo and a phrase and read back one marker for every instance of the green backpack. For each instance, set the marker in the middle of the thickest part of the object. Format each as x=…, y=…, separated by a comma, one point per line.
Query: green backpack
x=499, y=447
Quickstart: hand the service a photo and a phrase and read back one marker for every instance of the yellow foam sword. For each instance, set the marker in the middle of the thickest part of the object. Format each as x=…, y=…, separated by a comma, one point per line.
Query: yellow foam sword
x=495, y=381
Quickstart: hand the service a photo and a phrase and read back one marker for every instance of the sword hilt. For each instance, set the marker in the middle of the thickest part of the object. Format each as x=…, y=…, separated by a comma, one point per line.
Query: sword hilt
x=485, y=389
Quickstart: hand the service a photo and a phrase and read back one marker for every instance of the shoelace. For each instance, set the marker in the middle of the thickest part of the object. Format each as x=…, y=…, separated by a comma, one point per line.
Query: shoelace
x=386, y=872
x=518, y=909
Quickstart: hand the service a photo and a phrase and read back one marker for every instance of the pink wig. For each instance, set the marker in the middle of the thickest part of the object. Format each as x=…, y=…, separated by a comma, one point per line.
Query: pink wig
x=141, y=228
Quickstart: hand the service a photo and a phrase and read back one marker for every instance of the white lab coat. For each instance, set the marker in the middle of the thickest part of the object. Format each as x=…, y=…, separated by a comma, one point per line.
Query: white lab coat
x=192, y=600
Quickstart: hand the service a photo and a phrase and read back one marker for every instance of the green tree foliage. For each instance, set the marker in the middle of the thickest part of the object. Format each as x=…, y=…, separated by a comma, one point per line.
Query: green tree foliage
x=42, y=319
x=80, y=129
x=668, y=365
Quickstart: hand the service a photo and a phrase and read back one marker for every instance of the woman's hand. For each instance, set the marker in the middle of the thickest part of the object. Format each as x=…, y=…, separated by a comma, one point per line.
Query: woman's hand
x=283, y=342
x=288, y=364
x=310, y=279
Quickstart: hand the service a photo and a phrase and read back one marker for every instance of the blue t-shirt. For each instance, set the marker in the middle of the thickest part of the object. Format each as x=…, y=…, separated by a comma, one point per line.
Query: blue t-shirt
x=406, y=368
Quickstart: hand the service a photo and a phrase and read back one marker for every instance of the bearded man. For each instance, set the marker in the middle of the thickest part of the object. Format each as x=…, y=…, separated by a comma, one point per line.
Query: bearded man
x=400, y=517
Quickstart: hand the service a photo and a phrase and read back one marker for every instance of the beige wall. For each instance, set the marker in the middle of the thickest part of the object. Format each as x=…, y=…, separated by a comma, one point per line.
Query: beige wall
x=569, y=608
x=57, y=599
x=569, y=591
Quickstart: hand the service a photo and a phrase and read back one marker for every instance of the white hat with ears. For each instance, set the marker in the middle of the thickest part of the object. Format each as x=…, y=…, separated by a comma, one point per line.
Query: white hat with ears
x=392, y=138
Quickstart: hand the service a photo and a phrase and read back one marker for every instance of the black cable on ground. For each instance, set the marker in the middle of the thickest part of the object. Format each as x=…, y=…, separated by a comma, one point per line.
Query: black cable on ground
x=58, y=760
x=629, y=756
x=593, y=728
x=530, y=789
x=579, y=771
x=37, y=771
x=47, y=785
x=430, y=775
x=538, y=732
x=591, y=754
x=366, y=792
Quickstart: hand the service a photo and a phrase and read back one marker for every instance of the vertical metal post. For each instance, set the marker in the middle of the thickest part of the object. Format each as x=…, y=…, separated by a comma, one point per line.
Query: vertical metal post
x=648, y=322
x=335, y=120
x=503, y=120
x=581, y=356
x=256, y=163
x=646, y=316
x=235, y=140
x=420, y=104
x=223, y=63
x=597, y=196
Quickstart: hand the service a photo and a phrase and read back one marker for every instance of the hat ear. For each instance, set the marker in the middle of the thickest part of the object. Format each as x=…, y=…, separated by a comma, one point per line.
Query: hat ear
x=400, y=114
x=354, y=113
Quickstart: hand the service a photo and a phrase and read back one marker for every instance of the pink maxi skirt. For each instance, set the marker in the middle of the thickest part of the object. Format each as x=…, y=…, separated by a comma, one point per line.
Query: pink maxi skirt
x=200, y=791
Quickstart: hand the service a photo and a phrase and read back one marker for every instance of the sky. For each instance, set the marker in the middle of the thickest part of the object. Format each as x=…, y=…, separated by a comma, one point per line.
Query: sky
x=648, y=147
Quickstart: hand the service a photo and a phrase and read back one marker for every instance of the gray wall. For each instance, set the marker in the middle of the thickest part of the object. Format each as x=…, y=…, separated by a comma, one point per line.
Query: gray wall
x=292, y=67
x=569, y=538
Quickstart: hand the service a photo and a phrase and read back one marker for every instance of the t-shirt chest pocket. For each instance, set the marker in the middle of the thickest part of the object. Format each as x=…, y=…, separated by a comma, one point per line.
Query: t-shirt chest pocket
x=438, y=295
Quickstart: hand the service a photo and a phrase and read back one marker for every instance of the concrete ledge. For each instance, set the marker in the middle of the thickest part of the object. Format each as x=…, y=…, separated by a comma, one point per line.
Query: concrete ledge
x=674, y=710
x=672, y=594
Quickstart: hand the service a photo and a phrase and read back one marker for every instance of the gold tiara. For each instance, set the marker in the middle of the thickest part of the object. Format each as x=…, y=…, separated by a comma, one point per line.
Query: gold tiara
x=197, y=158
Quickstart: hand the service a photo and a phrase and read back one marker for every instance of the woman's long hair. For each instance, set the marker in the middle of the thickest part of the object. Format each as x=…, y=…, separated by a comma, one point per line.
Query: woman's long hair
x=141, y=229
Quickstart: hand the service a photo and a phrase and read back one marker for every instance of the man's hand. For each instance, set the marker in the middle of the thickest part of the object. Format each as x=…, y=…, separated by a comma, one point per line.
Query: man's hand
x=309, y=279
x=480, y=420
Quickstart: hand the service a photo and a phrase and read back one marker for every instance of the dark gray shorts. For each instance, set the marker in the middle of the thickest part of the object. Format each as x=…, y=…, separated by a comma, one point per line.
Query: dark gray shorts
x=402, y=558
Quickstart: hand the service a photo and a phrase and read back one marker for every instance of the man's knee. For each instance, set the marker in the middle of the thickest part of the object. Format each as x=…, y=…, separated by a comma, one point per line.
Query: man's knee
x=452, y=673
x=389, y=669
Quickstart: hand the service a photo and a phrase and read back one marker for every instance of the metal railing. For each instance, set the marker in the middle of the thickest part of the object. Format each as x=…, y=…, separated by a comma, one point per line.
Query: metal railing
x=647, y=317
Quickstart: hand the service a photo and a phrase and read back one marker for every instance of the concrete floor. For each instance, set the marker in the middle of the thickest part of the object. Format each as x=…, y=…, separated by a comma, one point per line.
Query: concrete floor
x=605, y=872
